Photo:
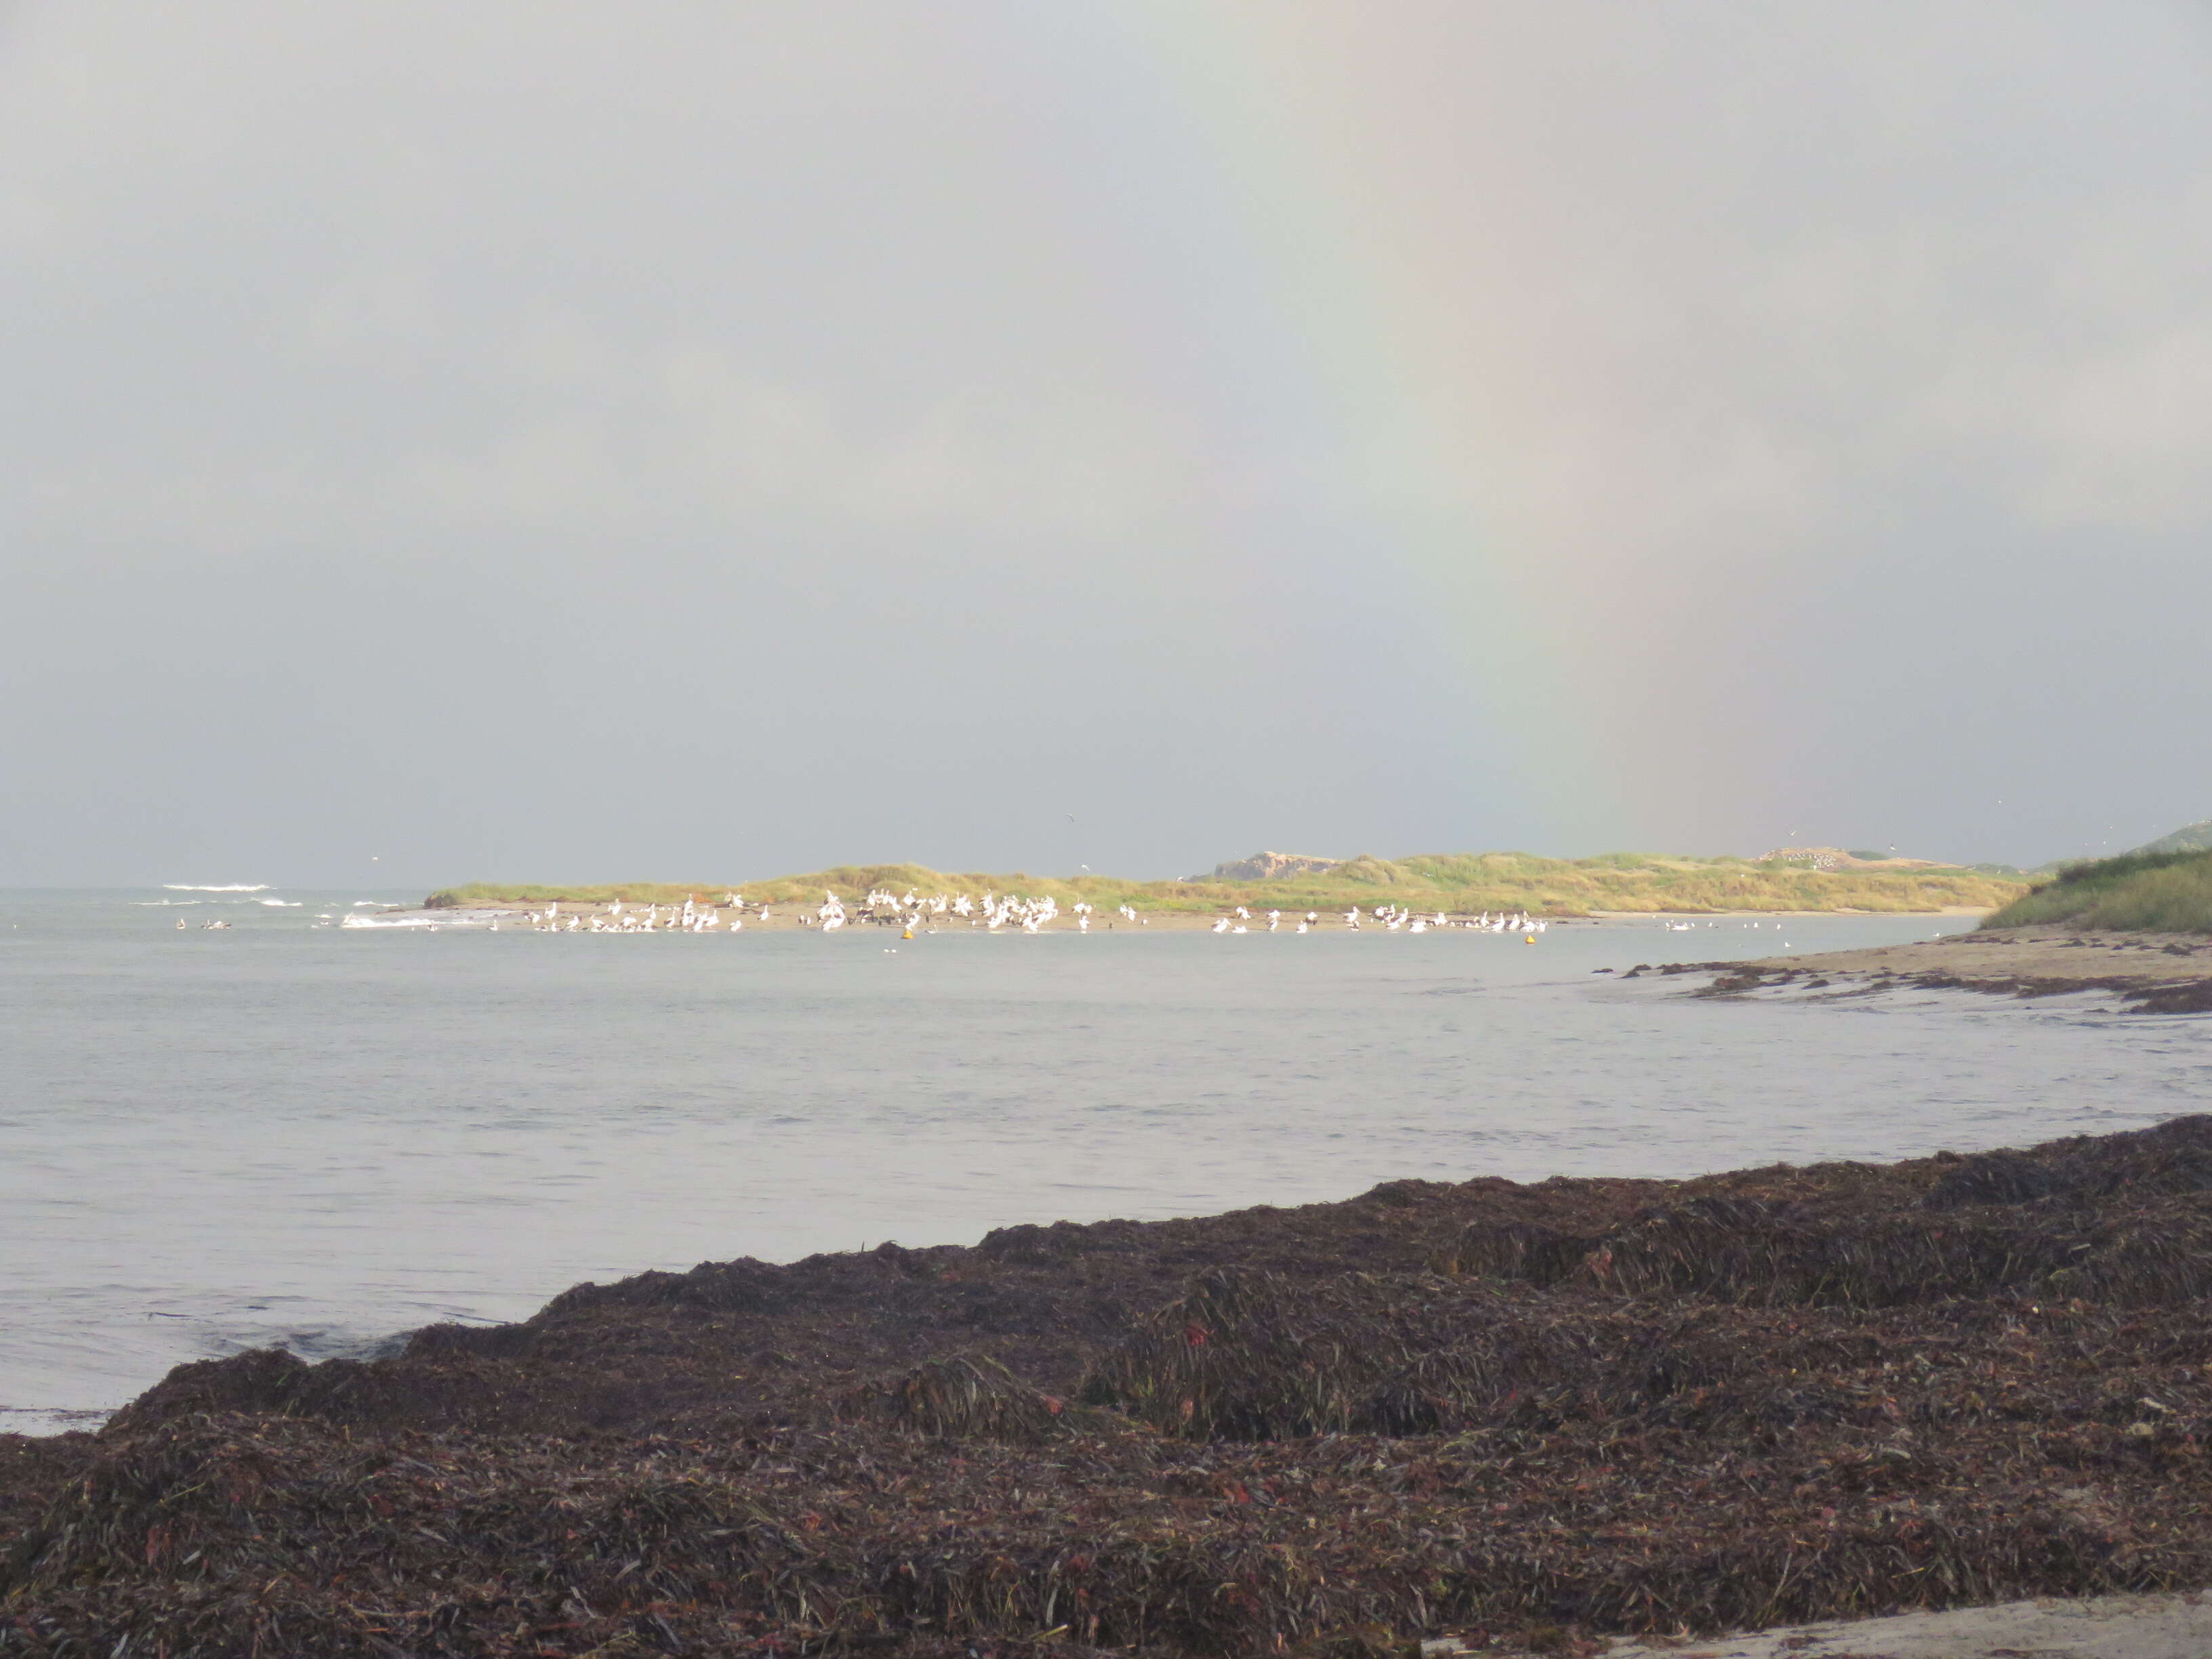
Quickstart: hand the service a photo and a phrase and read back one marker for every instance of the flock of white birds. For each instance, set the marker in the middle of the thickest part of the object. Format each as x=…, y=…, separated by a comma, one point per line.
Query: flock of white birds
x=1392, y=917
x=992, y=911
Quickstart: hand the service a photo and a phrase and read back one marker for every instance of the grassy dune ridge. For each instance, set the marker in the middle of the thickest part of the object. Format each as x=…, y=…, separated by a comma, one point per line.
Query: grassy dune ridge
x=2146, y=892
x=1455, y=882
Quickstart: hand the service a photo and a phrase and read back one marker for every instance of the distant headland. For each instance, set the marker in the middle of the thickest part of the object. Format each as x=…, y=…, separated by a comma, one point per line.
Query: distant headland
x=1791, y=880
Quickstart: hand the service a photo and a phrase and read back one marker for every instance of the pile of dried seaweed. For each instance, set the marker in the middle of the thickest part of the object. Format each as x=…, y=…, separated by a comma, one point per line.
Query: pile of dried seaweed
x=1484, y=1409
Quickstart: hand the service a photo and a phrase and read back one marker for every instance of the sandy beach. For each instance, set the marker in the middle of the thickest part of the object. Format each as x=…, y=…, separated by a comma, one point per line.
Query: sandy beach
x=2162, y=973
x=2176, y=1626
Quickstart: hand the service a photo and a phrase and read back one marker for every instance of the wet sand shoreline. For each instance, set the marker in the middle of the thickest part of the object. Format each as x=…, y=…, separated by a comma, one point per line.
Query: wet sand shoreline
x=2156, y=973
x=2174, y=1626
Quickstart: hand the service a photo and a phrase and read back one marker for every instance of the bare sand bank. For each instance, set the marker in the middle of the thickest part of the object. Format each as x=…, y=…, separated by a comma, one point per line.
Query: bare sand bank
x=2160, y=973
x=2170, y=1626
x=1732, y=916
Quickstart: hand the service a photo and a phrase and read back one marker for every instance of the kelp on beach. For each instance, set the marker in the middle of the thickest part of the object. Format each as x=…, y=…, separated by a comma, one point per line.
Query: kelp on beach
x=1496, y=1411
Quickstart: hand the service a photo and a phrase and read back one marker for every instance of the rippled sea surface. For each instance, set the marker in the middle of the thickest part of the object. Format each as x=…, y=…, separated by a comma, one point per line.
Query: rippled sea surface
x=278, y=1133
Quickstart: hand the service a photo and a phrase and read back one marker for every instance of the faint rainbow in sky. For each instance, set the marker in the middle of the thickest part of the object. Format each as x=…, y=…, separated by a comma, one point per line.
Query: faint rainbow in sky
x=1344, y=330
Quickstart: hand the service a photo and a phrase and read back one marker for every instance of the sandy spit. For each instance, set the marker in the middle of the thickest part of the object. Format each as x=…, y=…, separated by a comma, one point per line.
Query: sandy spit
x=2169, y=1626
x=2158, y=973
x=2038, y=954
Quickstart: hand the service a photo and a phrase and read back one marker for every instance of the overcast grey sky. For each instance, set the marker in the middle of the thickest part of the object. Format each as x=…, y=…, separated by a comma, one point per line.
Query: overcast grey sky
x=546, y=441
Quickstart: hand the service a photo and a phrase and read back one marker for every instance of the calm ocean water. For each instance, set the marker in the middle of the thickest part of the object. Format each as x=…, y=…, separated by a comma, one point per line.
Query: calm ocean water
x=278, y=1133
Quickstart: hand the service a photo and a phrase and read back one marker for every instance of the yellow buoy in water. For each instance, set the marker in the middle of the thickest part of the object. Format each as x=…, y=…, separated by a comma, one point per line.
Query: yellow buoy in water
x=1531, y=939
x=908, y=934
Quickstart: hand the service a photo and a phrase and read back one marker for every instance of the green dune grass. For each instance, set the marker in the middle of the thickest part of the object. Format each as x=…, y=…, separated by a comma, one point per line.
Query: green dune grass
x=1454, y=882
x=2144, y=892
x=2190, y=838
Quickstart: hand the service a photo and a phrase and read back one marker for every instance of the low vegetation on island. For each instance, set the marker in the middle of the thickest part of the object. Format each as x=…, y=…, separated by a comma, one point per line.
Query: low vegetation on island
x=1459, y=883
x=2190, y=838
x=2157, y=892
